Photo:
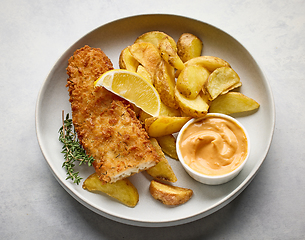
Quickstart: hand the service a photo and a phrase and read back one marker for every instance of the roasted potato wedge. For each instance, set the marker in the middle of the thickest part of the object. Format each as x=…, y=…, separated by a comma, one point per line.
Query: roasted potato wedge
x=189, y=46
x=164, y=111
x=164, y=82
x=209, y=62
x=169, y=54
x=221, y=80
x=127, y=61
x=169, y=195
x=147, y=55
x=233, y=102
x=197, y=107
x=163, y=125
x=163, y=170
x=122, y=190
x=168, y=111
x=155, y=37
x=143, y=115
x=168, y=145
x=183, y=114
x=191, y=80
x=144, y=73
x=236, y=85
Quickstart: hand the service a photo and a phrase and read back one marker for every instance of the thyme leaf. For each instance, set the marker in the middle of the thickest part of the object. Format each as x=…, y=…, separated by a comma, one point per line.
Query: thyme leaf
x=72, y=150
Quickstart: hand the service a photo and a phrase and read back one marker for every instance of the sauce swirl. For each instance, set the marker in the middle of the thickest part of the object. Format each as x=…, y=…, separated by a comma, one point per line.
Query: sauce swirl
x=214, y=146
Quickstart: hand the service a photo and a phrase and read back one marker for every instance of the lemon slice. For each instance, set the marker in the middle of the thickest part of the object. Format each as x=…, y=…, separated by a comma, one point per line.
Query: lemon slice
x=132, y=87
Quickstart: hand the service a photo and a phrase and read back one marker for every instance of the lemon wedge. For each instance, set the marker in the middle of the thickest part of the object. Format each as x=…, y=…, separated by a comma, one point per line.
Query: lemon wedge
x=132, y=87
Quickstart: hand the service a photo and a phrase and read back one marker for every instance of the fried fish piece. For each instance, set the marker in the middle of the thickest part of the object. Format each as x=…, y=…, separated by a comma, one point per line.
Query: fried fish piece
x=106, y=125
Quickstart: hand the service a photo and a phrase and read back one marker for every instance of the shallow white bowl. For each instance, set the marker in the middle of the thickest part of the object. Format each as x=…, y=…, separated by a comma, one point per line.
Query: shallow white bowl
x=206, y=179
x=112, y=38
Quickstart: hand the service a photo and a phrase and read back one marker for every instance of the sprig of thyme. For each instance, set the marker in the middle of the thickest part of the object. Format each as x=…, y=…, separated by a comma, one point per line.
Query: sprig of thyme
x=72, y=150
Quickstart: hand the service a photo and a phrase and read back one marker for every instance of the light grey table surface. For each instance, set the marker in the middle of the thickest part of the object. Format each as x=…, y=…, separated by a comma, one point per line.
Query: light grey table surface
x=34, y=34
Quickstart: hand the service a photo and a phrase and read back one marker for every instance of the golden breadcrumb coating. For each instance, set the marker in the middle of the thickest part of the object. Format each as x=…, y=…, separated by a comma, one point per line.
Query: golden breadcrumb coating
x=106, y=125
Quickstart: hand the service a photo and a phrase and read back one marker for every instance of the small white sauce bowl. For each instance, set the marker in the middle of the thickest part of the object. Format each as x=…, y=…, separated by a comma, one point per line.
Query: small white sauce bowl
x=206, y=179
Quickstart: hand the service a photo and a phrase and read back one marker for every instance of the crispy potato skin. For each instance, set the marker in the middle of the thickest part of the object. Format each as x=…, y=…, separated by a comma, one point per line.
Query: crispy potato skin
x=127, y=61
x=168, y=145
x=221, y=80
x=209, y=62
x=164, y=82
x=163, y=125
x=163, y=170
x=189, y=46
x=191, y=80
x=168, y=111
x=197, y=107
x=155, y=37
x=169, y=54
x=233, y=102
x=169, y=195
x=122, y=190
x=147, y=55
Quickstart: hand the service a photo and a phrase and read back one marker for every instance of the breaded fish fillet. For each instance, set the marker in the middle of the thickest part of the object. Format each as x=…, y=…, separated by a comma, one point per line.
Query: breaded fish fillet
x=106, y=125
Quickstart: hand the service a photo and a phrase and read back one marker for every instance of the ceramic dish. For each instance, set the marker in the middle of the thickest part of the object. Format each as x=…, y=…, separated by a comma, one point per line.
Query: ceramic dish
x=216, y=179
x=112, y=38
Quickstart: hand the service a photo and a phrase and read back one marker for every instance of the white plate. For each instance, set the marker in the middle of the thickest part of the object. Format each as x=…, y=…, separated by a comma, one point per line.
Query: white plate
x=112, y=38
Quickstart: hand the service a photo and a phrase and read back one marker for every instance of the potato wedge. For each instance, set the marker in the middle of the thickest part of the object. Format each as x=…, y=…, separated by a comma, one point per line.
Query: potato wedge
x=189, y=46
x=232, y=87
x=168, y=111
x=122, y=190
x=169, y=54
x=143, y=115
x=233, y=102
x=205, y=95
x=147, y=55
x=209, y=62
x=127, y=61
x=164, y=82
x=155, y=37
x=191, y=80
x=183, y=114
x=163, y=170
x=169, y=195
x=144, y=73
x=220, y=80
x=162, y=125
x=164, y=111
x=168, y=145
x=197, y=107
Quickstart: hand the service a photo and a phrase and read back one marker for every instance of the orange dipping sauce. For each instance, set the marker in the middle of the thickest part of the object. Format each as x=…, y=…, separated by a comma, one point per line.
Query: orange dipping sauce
x=213, y=146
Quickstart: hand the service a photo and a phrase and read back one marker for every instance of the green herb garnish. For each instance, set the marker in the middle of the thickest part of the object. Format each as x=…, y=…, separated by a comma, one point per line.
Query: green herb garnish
x=72, y=150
